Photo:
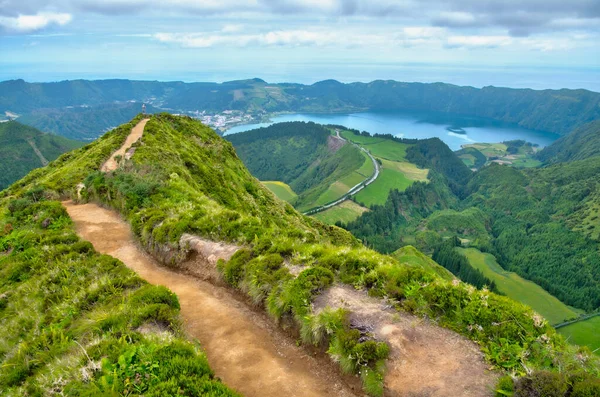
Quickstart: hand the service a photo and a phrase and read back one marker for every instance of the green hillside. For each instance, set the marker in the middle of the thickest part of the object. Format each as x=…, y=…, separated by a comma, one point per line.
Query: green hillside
x=519, y=289
x=541, y=223
x=581, y=144
x=18, y=146
x=318, y=167
x=184, y=178
x=281, y=190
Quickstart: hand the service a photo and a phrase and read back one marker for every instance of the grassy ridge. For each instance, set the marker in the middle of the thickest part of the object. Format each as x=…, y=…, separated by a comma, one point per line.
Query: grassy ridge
x=518, y=288
x=74, y=322
x=281, y=190
x=196, y=184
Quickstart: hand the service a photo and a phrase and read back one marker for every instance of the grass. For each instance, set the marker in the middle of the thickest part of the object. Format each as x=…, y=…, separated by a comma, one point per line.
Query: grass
x=409, y=170
x=584, y=333
x=413, y=257
x=70, y=318
x=518, y=288
x=379, y=147
x=340, y=187
x=377, y=192
x=196, y=184
x=281, y=190
x=345, y=212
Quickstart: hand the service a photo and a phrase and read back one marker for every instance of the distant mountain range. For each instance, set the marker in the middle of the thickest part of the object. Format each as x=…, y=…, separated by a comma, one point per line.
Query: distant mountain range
x=84, y=109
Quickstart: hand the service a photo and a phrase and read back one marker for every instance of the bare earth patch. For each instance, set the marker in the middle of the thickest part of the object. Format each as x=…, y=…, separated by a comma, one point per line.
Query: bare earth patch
x=244, y=348
x=136, y=133
x=425, y=359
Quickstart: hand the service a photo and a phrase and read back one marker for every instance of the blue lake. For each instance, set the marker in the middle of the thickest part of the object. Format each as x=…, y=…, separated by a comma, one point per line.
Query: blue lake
x=419, y=125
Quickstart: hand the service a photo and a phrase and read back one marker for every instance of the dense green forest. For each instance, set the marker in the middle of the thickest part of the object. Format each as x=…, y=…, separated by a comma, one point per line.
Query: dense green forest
x=557, y=111
x=181, y=165
x=540, y=223
x=458, y=264
x=581, y=144
x=303, y=155
x=17, y=143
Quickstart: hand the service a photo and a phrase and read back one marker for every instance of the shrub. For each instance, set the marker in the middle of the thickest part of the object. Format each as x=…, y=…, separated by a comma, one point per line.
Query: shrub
x=541, y=384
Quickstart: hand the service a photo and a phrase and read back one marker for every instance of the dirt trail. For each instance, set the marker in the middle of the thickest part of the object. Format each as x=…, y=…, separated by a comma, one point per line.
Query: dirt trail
x=425, y=360
x=243, y=347
x=136, y=133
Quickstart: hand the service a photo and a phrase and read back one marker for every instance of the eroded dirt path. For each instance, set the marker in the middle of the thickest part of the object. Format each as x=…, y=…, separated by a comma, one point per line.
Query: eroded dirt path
x=425, y=359
x=136, y=133
x=243, y=347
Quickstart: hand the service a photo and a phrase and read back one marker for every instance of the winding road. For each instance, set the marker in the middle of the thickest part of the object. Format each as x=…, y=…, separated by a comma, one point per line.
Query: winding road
x=355, y=189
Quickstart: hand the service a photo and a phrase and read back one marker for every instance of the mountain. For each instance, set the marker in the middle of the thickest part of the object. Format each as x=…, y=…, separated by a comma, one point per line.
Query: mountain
x=581, y=144
x=84, y=123
x=556, y=111
x=23, y=148
x=77, y=322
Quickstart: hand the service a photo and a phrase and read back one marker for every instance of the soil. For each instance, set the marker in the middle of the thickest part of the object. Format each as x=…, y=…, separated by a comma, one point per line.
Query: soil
x=136, y=133
x=244, y=348
x=425, y=359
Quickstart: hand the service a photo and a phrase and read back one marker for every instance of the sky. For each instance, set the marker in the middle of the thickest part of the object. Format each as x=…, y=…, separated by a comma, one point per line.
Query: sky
x=515, y=43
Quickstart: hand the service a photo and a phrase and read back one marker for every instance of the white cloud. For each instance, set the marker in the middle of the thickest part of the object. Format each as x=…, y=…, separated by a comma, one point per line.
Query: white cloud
x=32, y=23
x=478, y=41
x=268, y=39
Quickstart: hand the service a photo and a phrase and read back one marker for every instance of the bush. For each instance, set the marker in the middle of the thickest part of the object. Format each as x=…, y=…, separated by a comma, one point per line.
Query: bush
x=541, y=384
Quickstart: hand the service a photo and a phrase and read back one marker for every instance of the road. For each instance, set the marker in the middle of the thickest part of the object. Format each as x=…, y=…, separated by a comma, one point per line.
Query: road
x=355, y=189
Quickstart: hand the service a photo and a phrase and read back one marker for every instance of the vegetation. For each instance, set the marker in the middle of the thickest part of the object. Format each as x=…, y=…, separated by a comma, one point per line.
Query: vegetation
x=584, y=333
x=581, y=144
x=196, y=184
x=303, y=155
x=447, y=256
x=558, y=111
x=345, y=212
x=74, y=322
x=519, y=289
x=517, y=153
x=281, y=190
x=17, y=143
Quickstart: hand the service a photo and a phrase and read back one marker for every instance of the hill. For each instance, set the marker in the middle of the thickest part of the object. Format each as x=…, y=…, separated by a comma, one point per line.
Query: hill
x=581, y=144
x=23, y=148
x=50, y=105
x=185, y=187
x=317, y=166
x=541, y=223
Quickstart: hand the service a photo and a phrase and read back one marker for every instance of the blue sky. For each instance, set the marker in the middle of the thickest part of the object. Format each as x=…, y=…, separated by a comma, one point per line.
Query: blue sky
x=536, y=43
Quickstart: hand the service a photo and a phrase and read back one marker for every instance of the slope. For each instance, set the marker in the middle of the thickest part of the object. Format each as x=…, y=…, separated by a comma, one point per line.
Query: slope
x=185, y=180
x=24, y=148
x=580, y=144
x=318, y=166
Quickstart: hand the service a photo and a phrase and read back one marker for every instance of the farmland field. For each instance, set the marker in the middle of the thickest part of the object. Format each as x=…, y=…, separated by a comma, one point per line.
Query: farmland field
x=281, y=190
x=344, y=212
x=584, y=333
x=519, y=289
x=378, y=191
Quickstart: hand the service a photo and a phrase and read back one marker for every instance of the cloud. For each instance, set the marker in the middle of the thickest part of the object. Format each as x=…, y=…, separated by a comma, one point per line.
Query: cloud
x=478, y=41
x=32, y=23
x=272, y=38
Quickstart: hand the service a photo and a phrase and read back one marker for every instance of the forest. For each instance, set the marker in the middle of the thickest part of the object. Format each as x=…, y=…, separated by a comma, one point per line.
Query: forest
x=542, y=220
